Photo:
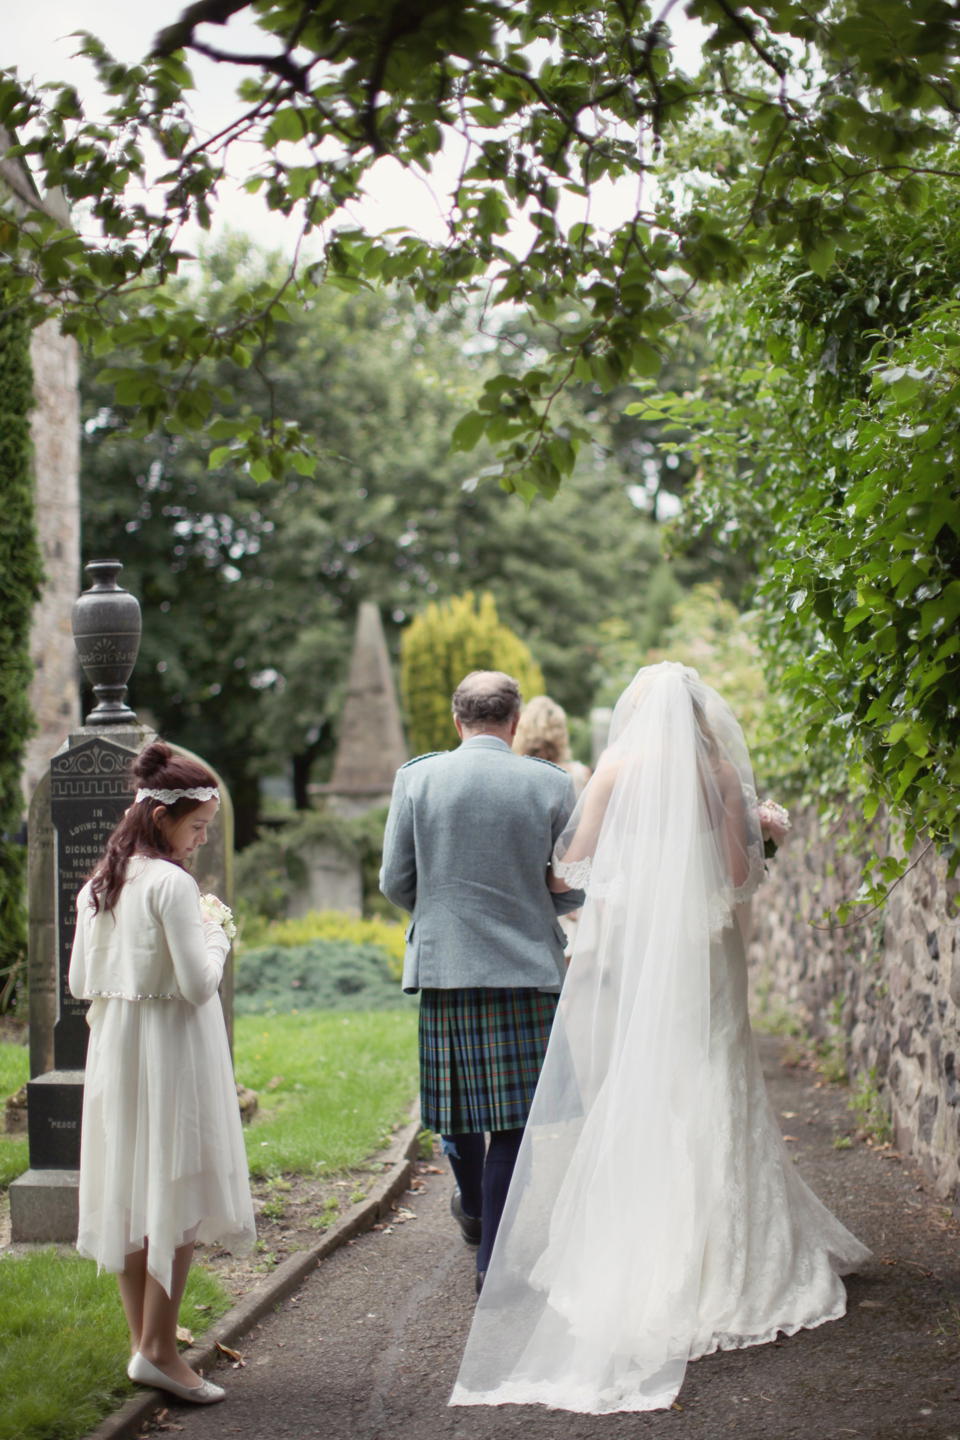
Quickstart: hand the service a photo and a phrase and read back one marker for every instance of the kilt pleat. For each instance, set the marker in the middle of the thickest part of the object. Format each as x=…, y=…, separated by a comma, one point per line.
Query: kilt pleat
x=481, y=1051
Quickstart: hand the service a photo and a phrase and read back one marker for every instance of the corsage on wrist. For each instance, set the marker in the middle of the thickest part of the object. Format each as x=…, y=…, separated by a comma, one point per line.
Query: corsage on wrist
x=213, y=909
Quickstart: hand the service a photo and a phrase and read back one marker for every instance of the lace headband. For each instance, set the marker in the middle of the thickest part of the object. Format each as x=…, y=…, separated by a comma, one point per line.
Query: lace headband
x=167, y=797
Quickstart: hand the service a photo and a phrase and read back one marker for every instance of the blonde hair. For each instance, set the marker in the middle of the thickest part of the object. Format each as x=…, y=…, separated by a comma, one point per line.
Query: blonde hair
x=543, y=731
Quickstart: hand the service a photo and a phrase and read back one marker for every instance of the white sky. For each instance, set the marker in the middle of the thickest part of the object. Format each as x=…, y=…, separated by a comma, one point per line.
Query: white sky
x=35, y=38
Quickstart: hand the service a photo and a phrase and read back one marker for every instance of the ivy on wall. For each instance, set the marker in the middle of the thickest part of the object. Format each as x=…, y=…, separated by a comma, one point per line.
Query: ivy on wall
x=21, y=573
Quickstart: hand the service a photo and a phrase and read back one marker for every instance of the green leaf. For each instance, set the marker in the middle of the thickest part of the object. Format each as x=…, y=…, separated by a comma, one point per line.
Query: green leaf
x=820, y=254
x=468, y=431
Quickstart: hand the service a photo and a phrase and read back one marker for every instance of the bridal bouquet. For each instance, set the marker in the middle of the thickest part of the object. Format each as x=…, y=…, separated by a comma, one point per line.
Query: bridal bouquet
x=213, y=909
x=774, y=825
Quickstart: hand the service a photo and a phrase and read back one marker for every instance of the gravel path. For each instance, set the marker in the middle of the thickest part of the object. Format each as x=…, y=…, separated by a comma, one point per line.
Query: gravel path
x=370, y=1345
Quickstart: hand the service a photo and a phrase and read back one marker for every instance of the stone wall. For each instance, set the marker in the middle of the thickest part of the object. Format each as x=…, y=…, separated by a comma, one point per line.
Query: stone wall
x=889, y=984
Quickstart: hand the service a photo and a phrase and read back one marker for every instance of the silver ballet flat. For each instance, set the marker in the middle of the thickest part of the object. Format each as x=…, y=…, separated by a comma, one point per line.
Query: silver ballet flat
x=144, y=1373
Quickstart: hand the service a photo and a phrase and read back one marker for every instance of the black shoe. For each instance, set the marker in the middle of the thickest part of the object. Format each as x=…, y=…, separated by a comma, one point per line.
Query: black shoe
x=470, y=1225
x=481, y=1276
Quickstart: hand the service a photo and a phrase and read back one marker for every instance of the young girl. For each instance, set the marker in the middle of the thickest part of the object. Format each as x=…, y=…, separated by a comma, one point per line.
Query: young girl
x=162, y=1159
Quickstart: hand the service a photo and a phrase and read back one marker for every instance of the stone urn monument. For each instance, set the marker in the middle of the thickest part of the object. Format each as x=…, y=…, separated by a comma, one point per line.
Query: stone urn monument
x=106, y=632
x=74, y=809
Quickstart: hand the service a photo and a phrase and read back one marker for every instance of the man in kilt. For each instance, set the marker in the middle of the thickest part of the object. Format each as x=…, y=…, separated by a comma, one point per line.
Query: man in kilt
x=468, y=841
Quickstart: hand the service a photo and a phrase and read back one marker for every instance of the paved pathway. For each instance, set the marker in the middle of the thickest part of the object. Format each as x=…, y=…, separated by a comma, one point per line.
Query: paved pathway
x=370, y=1346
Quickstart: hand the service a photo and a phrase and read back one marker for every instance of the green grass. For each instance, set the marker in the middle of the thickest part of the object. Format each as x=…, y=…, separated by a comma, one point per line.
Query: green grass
x=14, y=1072
x=343, y=1083
x=64, y=1343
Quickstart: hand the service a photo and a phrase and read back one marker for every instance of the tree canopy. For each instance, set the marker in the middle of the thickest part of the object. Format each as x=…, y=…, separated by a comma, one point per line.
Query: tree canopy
x=786, y=174
x=250, y=591
x=813, y=115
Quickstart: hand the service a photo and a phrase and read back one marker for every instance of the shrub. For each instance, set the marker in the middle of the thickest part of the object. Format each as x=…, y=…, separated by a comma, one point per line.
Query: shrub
x=323, y=975
x=336, y=925
x=443, y=645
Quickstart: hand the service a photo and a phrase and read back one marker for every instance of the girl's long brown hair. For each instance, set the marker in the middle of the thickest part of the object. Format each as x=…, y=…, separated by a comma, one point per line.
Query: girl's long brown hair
x=155, y=768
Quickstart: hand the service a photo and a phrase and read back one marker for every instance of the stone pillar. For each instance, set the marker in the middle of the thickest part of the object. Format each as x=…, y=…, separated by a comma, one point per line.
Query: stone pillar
x=55, y=431
x=372, y=747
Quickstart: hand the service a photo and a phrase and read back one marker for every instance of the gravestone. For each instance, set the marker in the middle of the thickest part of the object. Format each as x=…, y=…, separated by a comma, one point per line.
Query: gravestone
x=45, y=930
x=73, y=811
x=333, y=881
x=90, y=788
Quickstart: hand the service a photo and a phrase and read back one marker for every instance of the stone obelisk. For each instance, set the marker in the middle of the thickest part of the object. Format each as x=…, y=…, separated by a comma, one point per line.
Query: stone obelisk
x=371, y=748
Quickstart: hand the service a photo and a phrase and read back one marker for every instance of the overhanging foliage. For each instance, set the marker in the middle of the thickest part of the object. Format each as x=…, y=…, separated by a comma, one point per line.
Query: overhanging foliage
x=828, y=436
x=816, y=113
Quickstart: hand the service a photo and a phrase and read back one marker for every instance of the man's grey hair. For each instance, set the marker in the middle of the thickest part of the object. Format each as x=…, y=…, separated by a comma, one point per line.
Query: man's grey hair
x=486, y=697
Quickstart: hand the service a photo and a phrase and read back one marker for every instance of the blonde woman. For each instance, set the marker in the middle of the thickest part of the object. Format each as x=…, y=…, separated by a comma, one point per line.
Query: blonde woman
x=543, y=732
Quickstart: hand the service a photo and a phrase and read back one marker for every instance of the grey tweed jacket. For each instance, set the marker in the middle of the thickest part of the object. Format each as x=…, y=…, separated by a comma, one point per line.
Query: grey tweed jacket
x=468, y=841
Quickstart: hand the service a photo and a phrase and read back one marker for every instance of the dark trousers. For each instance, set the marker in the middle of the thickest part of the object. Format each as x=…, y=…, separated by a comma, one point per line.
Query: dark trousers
x=483, y=1174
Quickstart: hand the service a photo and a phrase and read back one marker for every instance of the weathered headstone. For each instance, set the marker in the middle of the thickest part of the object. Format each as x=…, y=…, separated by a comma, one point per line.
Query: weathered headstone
x=90, y=788
x=43, y=891
x=73, y=811
x=333, y=881
x=371, y=748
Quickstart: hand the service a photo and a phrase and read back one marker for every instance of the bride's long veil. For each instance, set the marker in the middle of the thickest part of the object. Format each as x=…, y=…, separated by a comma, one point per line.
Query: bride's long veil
x=590, y=1299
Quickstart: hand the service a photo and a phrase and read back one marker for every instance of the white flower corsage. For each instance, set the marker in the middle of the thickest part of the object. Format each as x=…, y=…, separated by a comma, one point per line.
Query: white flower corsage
x=213, y=909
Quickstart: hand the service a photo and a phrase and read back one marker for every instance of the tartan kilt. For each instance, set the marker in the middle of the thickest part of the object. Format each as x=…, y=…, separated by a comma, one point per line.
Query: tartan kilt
x=481, y=1051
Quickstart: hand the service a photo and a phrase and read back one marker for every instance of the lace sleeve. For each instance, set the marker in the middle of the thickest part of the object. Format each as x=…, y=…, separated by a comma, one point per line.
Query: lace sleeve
x=755, y=873
x=576, y=874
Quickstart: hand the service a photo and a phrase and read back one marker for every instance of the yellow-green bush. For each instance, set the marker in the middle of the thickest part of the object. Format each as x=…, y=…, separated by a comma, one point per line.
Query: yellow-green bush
x=443, y=645
x=387, y=935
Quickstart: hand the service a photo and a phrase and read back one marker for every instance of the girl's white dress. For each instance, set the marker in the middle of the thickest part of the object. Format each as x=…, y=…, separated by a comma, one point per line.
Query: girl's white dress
x=162, y=1154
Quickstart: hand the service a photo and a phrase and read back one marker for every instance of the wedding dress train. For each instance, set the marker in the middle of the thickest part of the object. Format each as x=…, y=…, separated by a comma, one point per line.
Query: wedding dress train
x=655, y=1214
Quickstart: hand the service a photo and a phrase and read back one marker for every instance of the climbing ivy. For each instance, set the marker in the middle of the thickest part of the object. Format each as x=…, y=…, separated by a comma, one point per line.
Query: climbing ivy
x=827, y=434
x=21, y=573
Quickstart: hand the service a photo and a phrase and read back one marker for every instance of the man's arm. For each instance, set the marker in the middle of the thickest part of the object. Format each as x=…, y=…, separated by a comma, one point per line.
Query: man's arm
x=565, y=902
x=398, y=874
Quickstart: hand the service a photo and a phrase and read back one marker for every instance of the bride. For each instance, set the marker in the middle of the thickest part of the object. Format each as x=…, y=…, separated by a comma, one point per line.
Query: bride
x=655, y=1214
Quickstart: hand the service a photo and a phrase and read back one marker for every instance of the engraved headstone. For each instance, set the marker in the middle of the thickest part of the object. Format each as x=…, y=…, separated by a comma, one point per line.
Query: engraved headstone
x=90, y=788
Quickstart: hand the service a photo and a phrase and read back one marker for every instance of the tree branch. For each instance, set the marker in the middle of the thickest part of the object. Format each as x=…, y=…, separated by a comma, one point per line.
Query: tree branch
x=203, y=12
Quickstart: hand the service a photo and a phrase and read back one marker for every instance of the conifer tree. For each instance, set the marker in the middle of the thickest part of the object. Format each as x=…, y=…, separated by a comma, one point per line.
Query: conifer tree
x=444, y=644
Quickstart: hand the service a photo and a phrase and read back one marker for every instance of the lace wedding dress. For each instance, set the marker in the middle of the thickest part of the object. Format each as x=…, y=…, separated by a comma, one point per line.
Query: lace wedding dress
x=655, y=1214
